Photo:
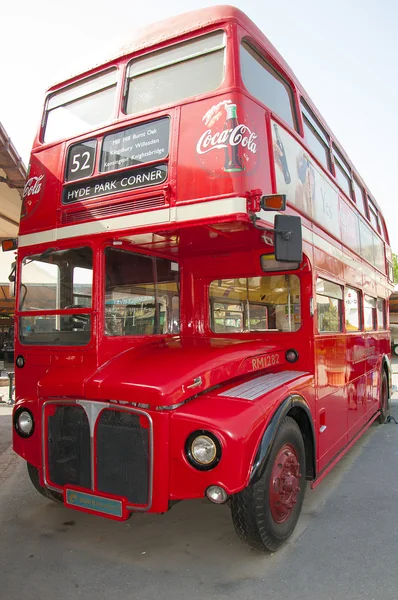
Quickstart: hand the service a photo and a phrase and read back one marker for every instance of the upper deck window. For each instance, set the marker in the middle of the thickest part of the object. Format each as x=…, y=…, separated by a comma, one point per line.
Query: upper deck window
x=175, y=73
x=81, y=107
x=266, y=84
x=316, y=136
x=374, y=217
x=343, y=174
x=359, y=197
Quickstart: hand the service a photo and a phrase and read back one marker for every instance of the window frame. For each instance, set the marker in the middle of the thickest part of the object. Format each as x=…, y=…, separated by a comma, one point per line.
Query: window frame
x=112, y=336
x=272, y=69
x=362, y=203
x=383, y=311
x=128, y=78
x=366, y=298
x=76, y=84
x=359, y=309
x=373, y=215
x=246, y=303
x=342, y=168
x=312, y=123
x=333, y=297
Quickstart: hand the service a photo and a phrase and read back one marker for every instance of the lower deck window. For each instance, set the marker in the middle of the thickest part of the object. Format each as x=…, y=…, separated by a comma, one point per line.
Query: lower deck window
x=370, y=313
x=329, y=306
x=255, y=304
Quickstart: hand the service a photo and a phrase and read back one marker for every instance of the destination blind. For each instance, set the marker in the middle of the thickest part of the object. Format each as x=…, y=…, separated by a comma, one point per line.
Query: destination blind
x=116, y=183
x=136, y=145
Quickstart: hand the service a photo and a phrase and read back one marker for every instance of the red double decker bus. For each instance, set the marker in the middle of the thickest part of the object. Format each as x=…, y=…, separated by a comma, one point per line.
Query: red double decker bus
x=202, y=285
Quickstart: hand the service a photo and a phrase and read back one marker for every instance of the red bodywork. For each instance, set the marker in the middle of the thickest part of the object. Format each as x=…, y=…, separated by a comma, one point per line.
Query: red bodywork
x=200, y=218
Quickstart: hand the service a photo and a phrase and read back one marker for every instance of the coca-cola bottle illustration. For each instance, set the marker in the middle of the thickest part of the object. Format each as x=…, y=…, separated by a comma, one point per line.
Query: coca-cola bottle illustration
x=233, y=161
x=282, y=156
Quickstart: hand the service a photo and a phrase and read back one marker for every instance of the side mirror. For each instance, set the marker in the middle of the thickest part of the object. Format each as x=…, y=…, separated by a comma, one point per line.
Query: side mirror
x=11, y=279
x=288, y=238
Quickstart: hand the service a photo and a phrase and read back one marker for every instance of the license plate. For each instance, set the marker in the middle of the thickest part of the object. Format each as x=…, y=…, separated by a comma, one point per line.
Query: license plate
x=94, y=503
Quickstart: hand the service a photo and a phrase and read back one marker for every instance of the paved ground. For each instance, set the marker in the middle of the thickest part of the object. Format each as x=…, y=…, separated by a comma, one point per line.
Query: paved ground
x=345, y=545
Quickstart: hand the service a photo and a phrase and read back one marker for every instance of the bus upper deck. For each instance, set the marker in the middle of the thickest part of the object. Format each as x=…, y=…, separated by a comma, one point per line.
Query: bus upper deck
x=191, y=125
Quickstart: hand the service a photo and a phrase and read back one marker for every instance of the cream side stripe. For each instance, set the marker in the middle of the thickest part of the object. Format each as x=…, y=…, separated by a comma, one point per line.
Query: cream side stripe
x=200, y=210
x=212, y=208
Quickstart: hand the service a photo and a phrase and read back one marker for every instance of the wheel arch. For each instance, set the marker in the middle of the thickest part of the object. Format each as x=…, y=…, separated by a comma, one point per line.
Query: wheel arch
x=297, y=408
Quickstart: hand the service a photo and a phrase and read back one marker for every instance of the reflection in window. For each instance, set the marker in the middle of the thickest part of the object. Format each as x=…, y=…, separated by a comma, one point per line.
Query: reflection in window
x=329, y=306
x=352, y=310
x=255, y=304
x=141, y=294
x=370, y=313
x=177, y=72
x=381, y=324
x=265, y=84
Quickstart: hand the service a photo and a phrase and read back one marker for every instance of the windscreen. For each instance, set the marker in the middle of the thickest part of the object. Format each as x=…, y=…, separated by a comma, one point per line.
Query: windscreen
x=142, y=294
x=81, y=107
x=56, y=281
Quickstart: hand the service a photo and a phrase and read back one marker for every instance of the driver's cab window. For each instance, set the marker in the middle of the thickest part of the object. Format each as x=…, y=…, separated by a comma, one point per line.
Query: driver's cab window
x=142, y=294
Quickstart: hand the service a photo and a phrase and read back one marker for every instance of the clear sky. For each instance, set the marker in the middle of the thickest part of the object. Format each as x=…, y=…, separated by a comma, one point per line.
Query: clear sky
x=345, y=54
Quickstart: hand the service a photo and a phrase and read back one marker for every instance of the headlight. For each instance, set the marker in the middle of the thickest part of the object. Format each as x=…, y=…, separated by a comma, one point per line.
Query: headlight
x=24, y=423
x=203, y=450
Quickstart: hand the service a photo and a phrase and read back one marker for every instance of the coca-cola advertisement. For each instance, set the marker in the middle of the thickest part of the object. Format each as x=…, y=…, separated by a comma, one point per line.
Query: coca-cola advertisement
x=31, y=194
x=228, y=143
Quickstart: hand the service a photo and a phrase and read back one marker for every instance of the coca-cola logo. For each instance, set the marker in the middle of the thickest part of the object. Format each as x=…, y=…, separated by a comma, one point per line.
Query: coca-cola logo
x=240, y=135
x=33, y=186
x=31, y=194
x=229, y=142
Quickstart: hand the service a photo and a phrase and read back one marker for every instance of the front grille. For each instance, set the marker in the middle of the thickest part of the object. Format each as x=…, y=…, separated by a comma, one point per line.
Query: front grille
x=122, y=448
x=68, y=446
x=122, y=466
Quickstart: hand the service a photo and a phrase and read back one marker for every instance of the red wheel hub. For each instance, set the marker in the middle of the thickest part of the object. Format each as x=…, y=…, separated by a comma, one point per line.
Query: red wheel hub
x=284, y=484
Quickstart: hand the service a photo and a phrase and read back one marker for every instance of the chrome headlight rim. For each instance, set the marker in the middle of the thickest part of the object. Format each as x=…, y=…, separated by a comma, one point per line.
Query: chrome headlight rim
x=188, y=450
x=17, y=427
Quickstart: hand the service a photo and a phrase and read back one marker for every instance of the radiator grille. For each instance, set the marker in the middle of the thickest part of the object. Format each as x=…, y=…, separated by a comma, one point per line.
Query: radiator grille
x=123, y=455
x=68, y=447
x=112, y=210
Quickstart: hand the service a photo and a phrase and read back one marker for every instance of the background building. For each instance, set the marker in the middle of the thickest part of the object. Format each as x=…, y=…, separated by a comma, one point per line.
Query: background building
x=12, y=181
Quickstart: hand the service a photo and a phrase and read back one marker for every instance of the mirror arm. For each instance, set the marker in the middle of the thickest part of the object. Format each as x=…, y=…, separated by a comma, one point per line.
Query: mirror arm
x=286, y=235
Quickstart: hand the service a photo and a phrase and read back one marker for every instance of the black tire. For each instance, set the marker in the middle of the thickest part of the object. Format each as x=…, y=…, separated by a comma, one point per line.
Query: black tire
x=49, y=494
x=385, y=400
x=253, y=507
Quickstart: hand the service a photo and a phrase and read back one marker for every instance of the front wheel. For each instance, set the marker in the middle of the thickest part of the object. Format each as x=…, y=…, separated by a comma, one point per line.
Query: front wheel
x=385, y=400
x=35, y=479
x=265, y=513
